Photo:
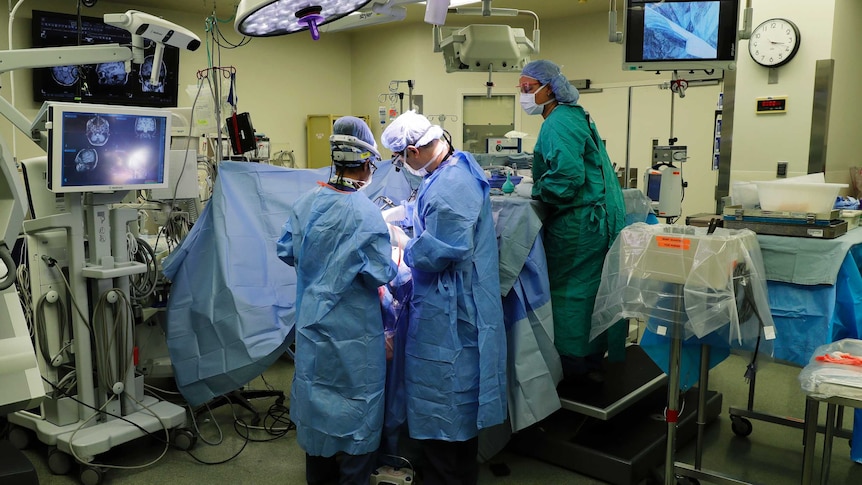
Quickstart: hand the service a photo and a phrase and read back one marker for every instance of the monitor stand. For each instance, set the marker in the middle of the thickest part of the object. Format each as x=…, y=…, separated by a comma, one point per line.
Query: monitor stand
x=617, y=432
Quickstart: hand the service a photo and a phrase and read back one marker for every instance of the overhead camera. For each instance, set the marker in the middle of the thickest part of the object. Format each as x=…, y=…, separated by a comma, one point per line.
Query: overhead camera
x=162, y=32
x=154, y=28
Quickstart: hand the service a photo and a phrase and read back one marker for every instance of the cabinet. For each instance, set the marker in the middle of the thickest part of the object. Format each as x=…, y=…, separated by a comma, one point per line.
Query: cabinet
x=318, y=131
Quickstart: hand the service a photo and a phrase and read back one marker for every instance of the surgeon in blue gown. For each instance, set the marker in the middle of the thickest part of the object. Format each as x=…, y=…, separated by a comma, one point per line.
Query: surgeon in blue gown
x=339, y=244
x=455, y=353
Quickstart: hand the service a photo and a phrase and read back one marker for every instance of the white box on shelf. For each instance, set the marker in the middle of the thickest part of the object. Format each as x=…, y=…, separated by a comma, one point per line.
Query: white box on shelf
x=815, y=198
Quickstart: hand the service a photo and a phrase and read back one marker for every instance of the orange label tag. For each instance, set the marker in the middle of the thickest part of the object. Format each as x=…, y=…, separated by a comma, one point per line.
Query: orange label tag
x=673, y=242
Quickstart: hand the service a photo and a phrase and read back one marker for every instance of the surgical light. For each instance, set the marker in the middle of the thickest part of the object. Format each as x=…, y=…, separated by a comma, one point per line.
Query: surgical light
x=265, y=18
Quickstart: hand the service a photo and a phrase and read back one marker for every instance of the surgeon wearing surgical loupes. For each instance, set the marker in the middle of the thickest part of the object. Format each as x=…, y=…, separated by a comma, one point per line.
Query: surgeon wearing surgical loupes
x=574, y=178
x=455, y=353
x=339, y=244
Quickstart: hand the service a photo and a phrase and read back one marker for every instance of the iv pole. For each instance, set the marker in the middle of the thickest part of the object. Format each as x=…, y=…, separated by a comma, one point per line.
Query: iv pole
x=394, y=95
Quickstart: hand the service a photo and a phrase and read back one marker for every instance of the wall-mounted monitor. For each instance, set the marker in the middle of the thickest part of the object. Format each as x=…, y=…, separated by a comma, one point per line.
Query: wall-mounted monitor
x=105, y=83
x=102, y=148
x=668, y=35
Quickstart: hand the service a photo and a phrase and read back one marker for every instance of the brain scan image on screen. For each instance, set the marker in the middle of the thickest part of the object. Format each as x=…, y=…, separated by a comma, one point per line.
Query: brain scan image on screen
x=65, y=75
x=681, y=30
x=98, y=131
x=112, y=73
x=146, y=72
x=145, y=127
x=86, y=160
x=114, y=147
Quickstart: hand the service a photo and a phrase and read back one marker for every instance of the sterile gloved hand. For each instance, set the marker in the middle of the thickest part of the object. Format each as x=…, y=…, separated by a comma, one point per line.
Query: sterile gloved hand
x=397, y=237
x=395, y=214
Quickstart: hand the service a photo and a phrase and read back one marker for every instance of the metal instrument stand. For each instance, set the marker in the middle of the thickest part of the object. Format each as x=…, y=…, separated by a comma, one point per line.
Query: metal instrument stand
x=673, y=469
x=740, y=418
x=697, y=472
x=834, y=406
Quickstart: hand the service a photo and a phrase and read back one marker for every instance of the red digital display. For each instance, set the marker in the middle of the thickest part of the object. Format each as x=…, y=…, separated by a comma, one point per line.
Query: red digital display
x=779, y=104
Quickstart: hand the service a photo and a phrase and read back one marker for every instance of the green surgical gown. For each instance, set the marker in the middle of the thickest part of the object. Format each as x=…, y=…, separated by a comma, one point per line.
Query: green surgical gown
x=573, y=176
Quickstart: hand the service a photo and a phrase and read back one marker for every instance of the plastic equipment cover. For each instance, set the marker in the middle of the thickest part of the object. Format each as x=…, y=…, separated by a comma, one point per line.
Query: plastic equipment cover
x=828, y=379
x=824, y=380
x=650, y=266
x=638, y=207
x=231, y=308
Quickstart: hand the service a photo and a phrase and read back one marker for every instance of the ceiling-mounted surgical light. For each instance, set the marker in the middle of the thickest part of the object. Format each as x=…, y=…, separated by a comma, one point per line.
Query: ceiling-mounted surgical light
x=266, y=18
x=486, y=47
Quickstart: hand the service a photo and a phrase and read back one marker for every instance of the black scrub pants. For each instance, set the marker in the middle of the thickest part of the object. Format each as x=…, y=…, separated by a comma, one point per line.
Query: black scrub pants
x=576, y=369
x=344, y=470
x=450, y=462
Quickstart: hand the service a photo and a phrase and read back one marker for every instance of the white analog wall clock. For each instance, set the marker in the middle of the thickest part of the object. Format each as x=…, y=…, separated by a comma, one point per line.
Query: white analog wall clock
x=774, y=42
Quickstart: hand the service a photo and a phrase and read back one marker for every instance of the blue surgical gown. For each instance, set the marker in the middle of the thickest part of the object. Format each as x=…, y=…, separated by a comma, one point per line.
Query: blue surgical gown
x=455, y=355
x=339, y=244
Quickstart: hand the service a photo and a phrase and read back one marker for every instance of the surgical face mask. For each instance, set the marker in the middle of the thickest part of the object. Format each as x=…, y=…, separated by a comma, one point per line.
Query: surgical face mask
x=528, y=102
x=420, y=172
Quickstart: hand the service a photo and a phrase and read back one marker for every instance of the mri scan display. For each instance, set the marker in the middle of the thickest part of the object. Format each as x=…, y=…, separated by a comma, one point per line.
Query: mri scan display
x=146, y=72
x=98, y=131
x=65, y=75
x=86, y=160
x=112, y=73
x=111, y=149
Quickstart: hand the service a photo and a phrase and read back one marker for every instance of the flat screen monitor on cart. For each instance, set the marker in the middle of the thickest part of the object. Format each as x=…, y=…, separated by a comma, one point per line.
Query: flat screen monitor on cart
x=101, y=148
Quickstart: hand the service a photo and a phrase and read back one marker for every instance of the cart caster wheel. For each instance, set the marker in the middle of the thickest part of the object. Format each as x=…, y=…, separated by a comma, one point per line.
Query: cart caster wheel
x=21, y=438
x=92, y=475
x=58, y=462
x=741, y=426
x=183, y=439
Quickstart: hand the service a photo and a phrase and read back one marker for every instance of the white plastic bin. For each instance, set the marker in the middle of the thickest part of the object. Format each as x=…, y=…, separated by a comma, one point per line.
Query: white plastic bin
x=798, y=197
x=744, y=194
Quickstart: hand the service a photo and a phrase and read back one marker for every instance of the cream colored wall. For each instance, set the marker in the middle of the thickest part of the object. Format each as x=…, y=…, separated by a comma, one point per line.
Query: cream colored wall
x=405, y=51
x=844, y=143
x=280, y=80
x=760, y=141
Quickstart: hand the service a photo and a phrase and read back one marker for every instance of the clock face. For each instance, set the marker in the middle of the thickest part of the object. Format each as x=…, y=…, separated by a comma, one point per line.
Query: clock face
x=774, y=42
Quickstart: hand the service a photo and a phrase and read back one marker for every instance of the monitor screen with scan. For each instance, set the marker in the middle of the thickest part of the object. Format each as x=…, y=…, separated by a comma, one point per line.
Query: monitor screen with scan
x=106, y=82
x=100, y=148
x=665, y=35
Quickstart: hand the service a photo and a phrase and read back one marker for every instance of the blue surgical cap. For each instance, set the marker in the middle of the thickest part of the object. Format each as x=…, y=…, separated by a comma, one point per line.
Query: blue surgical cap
x=410, y=128
x=546, y=72
x=353, y=126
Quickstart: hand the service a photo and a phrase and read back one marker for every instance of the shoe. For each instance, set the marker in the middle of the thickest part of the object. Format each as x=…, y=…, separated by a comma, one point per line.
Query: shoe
x=591, y=379
x=595, y=377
